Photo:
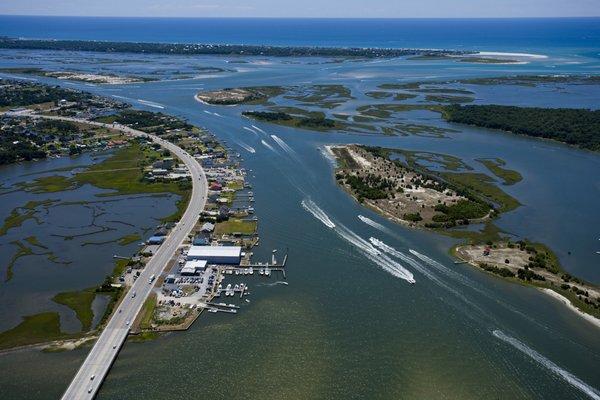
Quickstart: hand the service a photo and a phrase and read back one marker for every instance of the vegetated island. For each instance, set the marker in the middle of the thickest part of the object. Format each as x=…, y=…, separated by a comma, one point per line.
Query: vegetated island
x=215, y=49
x=405, y=194
x=579, y=127
x=245, y=95
x=395, y=185
x=108, y=79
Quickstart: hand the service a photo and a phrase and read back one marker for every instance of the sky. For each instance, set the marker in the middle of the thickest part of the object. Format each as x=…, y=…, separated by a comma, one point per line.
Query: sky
x=305, y=8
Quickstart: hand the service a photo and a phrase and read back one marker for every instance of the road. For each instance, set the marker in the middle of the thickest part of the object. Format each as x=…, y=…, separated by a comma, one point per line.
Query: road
x=89, y=378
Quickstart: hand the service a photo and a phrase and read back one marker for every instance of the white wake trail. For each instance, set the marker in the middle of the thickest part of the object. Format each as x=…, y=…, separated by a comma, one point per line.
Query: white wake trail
x=546, y=363
x=374, y=224
x=250, y=130
x=151, y=104
x=283, y=145
x=447, y=271
x=416, y=265
x=268, y=146
x=377, y=257
x=258, y=129
x=246, y=147
x=318, y=213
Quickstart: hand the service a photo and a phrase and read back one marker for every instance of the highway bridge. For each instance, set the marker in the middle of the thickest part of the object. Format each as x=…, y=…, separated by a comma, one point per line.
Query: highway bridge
x=91, y=374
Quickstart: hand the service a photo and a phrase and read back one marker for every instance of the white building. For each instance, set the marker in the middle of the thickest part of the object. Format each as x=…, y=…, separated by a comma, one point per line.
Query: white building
x=193, y=267
x=216, y=254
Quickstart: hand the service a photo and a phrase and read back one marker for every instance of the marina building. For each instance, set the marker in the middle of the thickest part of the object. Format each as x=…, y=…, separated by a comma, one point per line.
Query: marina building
x=216, y=254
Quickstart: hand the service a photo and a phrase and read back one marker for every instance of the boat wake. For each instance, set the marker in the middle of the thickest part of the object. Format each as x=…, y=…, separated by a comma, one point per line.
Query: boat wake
x=381, y=260
x=258, y=129
x=284, y=146
x=212, y=113
x=374, y=224
x=246, y=147
x=543, y=361
x=250, y=130
x=423, y=270
x=151, y=104
x=448, y=272
x=273, y=284
x=319, y=214
x=268, y=146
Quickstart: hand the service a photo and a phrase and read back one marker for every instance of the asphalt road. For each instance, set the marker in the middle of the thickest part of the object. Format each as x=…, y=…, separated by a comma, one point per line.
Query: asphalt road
x=89, y=378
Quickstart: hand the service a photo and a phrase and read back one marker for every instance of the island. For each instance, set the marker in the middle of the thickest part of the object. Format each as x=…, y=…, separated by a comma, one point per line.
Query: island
x=216, y=49
x=442, y=193
x=232, y=96
x=405, y=194
x=108, y=79
x=579, y=127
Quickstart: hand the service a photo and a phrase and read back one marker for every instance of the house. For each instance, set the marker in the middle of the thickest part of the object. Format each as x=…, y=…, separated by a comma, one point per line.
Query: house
x=208, y=227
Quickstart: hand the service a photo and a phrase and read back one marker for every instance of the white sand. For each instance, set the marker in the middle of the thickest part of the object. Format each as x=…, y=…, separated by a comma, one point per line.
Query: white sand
x=498, y=53
x=593, y=320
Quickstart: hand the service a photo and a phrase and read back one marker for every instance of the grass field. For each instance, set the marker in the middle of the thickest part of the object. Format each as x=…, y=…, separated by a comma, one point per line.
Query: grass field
x=34, y=329
x=80, y=302
x=21, y=214
x=495, y=165
x=482, y=185
x=147, y=311
x=128, y=239
x=49, y=184
x=235, y=226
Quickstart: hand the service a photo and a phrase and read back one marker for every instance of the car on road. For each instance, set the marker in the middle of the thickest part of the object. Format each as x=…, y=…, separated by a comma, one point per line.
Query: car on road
x=133, y=295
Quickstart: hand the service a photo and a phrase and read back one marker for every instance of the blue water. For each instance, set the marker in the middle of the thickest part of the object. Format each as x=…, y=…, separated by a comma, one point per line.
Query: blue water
x=581, y=35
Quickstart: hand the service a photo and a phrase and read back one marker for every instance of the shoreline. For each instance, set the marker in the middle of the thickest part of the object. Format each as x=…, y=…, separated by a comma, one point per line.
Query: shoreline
x=557, y=296
x=590, y=318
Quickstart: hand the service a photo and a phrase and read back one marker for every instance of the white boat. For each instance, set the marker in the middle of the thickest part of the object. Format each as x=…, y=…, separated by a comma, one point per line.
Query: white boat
x=267, y=271
x=251, y=271
x=261, y=271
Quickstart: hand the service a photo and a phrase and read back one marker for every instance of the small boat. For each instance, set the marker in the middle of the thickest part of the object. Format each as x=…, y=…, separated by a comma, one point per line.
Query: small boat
x=261, y=271
x=267, y=272
x=251, y=271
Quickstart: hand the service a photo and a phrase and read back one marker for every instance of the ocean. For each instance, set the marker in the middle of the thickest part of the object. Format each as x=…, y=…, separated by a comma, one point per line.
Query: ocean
x=581, y=35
